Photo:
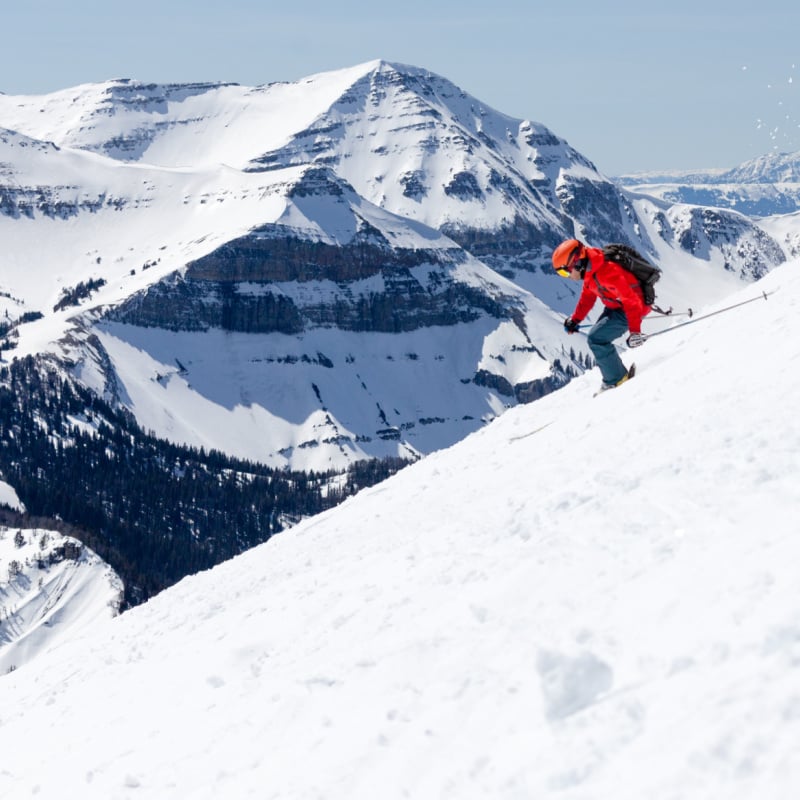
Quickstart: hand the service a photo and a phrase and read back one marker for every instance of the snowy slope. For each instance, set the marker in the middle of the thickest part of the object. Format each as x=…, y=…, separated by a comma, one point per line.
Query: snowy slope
x=8, y=497
x=72, y=215
x=52, y=588
x=427, y=150
x=785, y=229
x=376, y=394
x=177, y=125
x=589, y=598
x=383, y=125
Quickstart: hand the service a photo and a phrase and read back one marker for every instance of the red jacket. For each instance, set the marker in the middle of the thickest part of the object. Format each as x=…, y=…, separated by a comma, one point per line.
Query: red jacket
x=615, y=286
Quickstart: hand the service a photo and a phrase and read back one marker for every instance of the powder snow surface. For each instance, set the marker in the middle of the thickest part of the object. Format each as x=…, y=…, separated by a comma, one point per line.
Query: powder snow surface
x=589, y=599
x=51, y=588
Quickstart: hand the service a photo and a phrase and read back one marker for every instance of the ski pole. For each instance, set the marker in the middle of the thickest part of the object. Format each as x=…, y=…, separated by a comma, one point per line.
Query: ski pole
x=660, y=313
x=690, y=313
x=763, y=295
x=670, y=313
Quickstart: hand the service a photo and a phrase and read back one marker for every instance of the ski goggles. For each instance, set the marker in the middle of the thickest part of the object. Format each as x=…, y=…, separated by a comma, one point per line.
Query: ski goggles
x=572, y=264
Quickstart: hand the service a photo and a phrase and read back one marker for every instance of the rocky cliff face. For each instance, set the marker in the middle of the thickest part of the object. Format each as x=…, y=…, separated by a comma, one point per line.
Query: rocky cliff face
x=282, y=279
x=235, y=289
x=745, y=248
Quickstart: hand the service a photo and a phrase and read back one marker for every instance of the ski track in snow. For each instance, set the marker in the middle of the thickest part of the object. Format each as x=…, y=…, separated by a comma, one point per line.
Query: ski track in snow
x=588, y=598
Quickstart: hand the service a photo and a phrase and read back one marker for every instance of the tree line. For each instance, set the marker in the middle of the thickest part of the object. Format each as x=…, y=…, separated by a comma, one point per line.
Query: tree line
x=155, y=511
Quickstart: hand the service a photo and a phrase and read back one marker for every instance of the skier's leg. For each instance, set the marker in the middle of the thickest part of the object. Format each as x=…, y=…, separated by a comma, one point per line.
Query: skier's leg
x=612, y=324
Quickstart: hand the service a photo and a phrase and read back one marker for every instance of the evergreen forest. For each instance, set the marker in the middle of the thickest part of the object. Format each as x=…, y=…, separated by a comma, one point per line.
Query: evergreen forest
x=153, y=510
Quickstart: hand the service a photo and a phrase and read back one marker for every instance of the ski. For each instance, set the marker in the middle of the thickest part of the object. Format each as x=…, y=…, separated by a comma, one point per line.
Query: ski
x=604, y=388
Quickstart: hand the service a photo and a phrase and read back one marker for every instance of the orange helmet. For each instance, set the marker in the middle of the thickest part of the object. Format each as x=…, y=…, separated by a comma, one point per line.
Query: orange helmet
x=567, y=255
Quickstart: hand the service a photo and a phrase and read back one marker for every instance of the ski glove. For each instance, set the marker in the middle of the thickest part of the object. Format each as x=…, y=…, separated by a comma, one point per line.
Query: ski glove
x=637, y=339
x=570, y=326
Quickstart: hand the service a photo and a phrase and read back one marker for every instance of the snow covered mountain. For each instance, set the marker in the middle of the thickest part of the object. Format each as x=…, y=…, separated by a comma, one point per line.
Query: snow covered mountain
x=308, y=276
x=761, y=187
x=770, y=168
x=351, y=266
x=52, y=588
x=337, y=332
x=588, y=598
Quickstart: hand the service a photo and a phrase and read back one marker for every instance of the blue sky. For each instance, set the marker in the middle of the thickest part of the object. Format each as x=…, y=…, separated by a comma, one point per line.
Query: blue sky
x=633, y=86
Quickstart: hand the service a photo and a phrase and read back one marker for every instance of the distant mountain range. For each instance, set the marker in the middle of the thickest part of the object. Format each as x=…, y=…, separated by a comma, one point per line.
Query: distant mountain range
x=762, y=187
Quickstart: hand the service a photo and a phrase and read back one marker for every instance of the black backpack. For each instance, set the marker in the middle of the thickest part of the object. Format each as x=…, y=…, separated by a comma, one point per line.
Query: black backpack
x=635, y=262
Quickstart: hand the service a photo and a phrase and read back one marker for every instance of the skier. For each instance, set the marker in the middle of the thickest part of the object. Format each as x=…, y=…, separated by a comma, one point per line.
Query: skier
x=621, y=294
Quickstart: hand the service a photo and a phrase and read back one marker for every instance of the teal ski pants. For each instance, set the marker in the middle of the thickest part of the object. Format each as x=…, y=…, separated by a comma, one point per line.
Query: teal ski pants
x=612, y=324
